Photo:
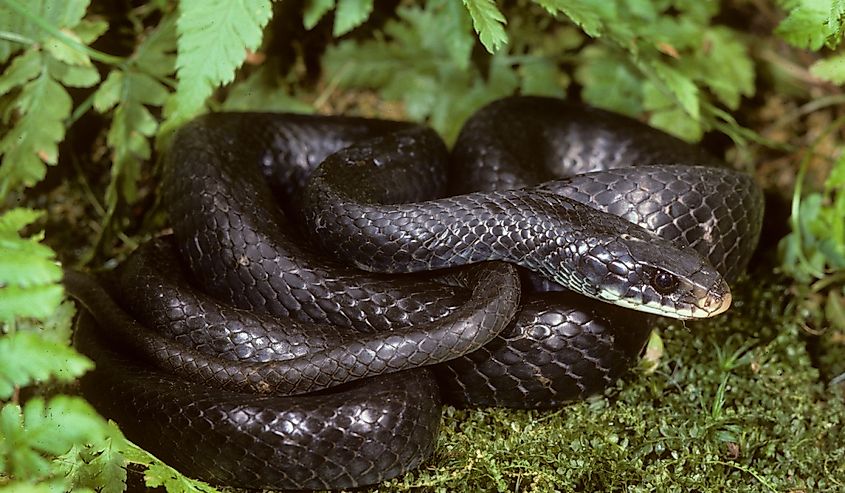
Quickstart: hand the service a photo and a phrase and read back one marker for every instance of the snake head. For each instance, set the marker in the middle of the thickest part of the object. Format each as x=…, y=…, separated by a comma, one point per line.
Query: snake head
x=639, y=270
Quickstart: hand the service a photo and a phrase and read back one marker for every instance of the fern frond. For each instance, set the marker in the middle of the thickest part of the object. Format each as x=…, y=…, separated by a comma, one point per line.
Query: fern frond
x=488, y=22
x=28, y=358
x=813, y=23
x=29, y=275
x=351, y=14
x=214, y=39
x=54, y=56
x=314, y=10
x=29, y=436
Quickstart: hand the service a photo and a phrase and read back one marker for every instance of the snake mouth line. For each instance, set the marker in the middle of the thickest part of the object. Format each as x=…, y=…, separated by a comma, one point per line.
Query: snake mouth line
x=717, y=300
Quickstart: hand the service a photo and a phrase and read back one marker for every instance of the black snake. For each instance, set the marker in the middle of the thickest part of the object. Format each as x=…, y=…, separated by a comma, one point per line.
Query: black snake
x=309, y=371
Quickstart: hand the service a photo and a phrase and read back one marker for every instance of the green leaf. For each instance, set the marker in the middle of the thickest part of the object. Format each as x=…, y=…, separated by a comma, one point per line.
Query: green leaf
x=131, y=128
x=681, y=87
x=98, y=466
x=41, y=108
x=25, y=267
x=111, y=470
x=816, y=244
x=418, y=93
x=586, y=15
x=421, y=67
x=808, y=24
x=109, y=92
x=66, y=53
x=58, y=13
x=488, y=22
x=831, y=69
x=836, y=178
x=23, y=69
x=351, y=14
x=678, y=123
x=667, y=115
x=263, y=91
x=16, y=219
x=58, y=327
x=654, y=352
x=543, y=78
x=28, y=274
x=156, y=55
x=455, y=103
x=30, y=436
x=729, y=71
x=314, y=11
x=160, y=474
x=609, y=82
x=37, y=301
x=129, y=91
x=214, y=38
x=11, y=244
x=29, y=358
x=73, y=75
x=88, y=30
x=456, y=31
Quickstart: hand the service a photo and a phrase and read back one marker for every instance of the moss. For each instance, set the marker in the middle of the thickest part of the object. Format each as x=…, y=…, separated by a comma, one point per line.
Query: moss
x=734, y=404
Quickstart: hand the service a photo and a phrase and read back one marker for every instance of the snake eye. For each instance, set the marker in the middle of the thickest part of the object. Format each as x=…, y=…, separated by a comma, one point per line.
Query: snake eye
x=664, y=282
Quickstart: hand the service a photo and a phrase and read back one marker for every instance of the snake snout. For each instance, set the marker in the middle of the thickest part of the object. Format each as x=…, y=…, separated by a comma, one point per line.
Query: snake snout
x=717, y=300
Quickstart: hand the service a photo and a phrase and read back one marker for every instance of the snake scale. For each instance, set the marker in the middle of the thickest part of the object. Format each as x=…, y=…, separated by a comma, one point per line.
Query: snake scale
x=355, y=275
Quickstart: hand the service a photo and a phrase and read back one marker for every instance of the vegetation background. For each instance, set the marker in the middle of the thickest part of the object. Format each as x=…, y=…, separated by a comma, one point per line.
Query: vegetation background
x=753, y=401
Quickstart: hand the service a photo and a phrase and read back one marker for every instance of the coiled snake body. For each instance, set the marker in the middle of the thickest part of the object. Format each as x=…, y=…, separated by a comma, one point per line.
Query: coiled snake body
x=309, y=371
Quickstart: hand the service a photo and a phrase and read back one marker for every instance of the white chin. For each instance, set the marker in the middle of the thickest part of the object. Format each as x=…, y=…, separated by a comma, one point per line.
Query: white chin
x=652, y=308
